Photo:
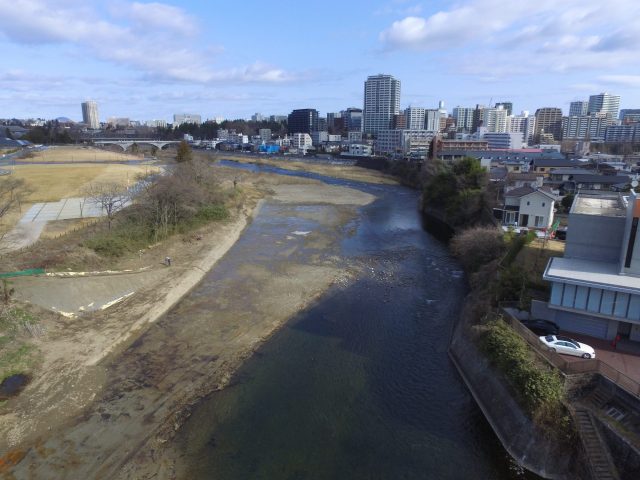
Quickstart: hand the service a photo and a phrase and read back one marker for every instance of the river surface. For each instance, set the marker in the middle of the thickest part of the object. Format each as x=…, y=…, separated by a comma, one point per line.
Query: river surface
x=359, y=385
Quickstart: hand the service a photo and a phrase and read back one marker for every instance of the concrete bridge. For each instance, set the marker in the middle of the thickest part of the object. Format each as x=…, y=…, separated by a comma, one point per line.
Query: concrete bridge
x=125, y=143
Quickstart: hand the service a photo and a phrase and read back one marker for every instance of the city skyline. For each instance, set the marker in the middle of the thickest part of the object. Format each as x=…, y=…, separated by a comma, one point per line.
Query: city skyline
x=152, y=60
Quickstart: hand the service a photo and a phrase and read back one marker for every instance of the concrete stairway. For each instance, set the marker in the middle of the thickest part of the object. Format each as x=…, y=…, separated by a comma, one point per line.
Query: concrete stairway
x=596, y=451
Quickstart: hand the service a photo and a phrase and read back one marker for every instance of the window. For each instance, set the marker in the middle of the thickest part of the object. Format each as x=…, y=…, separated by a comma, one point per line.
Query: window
x=543, y=204
x=539, y=221
x=528, y=203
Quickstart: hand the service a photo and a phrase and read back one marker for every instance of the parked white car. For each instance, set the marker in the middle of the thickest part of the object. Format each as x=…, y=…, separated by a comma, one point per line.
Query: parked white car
x=567, y=346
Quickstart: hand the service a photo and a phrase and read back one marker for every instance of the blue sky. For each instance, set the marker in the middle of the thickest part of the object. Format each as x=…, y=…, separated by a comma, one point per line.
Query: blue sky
x=148, y=60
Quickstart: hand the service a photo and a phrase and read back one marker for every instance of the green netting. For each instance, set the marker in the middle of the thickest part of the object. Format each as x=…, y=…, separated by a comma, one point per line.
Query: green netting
x=22, y=273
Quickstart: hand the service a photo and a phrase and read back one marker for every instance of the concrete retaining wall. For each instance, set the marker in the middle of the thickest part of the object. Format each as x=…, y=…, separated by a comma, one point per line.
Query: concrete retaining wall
x=515, y=430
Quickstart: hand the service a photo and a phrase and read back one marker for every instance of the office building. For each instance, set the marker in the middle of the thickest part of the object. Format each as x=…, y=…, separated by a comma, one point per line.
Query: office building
x=90, y=114
x=352, y=118
x=503, y=141
x=578, y=108
x=156, y=123
x=180, y=118
x=604, y=103
x=630, y=115
x=303, y=120
x=381, y=102
x=265, y=134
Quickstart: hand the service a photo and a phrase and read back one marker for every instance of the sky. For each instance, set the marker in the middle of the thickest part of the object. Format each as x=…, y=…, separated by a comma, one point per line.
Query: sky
x=149, y=60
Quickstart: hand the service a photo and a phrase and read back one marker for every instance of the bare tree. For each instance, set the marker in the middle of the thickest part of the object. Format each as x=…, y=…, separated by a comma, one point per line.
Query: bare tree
x=110, y=197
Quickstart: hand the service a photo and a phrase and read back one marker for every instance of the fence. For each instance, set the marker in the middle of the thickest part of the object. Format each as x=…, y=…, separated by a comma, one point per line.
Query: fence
x=576, y=367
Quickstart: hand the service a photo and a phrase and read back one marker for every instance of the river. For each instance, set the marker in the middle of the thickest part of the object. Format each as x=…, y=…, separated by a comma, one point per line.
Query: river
x=359, y=385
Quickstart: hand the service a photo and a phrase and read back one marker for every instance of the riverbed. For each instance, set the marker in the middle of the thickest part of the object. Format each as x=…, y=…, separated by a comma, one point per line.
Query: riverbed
x=358, y=385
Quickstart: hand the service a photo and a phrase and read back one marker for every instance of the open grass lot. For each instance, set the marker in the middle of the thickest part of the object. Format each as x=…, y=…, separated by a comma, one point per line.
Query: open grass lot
x=535, y=256
x=77, y=154
x=50, y=183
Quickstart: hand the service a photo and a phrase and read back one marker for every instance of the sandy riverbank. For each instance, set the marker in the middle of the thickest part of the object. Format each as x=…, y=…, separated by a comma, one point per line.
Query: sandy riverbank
x=140, y=389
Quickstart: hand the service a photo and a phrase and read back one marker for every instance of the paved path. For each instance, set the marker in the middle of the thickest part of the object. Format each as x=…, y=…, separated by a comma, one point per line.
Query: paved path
x=30, y=226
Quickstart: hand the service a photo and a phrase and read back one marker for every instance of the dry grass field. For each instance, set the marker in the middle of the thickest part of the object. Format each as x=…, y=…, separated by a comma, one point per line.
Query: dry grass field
x=78, y=155
x=50, y=183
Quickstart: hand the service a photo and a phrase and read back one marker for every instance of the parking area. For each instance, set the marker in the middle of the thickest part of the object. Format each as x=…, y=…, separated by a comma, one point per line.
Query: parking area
x=624, y=357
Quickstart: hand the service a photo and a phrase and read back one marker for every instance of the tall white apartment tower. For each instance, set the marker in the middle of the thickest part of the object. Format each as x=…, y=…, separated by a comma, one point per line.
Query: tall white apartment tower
x=381, y=103
x=604, y=103
x=90, y=114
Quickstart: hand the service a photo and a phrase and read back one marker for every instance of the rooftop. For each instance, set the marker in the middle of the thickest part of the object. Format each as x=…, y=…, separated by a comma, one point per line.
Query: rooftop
x=610, y=205
x=590, y=273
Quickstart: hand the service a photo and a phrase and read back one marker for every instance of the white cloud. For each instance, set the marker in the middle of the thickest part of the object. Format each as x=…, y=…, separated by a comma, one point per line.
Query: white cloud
x=632, y=81
x=152, y=38
x=511, y=37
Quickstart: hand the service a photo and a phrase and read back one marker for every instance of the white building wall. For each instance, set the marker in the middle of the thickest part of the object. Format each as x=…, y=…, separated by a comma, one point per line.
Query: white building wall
x=536, y=204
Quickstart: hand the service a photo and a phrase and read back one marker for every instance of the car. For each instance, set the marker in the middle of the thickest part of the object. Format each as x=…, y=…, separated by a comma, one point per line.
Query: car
x=567, y=346
x=541, y=327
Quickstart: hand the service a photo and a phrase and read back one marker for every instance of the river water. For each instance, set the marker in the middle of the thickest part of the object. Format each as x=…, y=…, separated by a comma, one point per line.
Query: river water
x=359, y=385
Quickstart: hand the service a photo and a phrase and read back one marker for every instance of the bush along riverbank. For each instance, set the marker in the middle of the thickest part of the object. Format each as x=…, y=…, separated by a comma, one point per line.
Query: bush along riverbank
x=522, y=397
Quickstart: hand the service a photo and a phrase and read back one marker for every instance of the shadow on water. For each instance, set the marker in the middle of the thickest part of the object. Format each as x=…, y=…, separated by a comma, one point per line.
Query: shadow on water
x=359, y=385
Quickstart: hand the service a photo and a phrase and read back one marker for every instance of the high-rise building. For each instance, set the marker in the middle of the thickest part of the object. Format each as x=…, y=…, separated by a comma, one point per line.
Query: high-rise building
x=352, y=119
x=494, y=119
x=586, y=127
x=304, y=120
x=604, y=103
x=180, y=118
x=629, y=115
x=381, y=102
x=432, y=120
x=464, y=118
x=399, y=122
x=508, y=106
x=415, y=118
x=578, y=108
x=90, y=114
x=523, y=123
x=549, y=121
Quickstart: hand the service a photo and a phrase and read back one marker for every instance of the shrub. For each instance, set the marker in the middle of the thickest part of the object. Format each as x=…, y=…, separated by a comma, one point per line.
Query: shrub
x=477, y=246
x=538, y=388
x=210, y=213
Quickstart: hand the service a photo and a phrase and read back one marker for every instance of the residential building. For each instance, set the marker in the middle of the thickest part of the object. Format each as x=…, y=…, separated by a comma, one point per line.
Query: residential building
x=180, y=118
x=318, y=138
x=354, y=137
x=595, y=287
x=90, y=114
x=622, y=133
x=546, y=163
x=432, y=120
x=399, y=121
x=301, y=141
x=503, y=140
x=265, y=134
x=578, y=108
x=528, y=207
x=586, y=127
x=604, y=103
x=508, y=106
x=304, y=120
x=570, y=180
x=464, y=118
x=360, y=150
x=381, y=102
x=548, y=121
x=156, y=123
x=402, y=142
x=415, y=118
x=493, y=119
x=523, y=123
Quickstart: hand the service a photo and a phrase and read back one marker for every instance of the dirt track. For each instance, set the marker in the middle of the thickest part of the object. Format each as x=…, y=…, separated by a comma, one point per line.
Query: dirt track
x=134, y=392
